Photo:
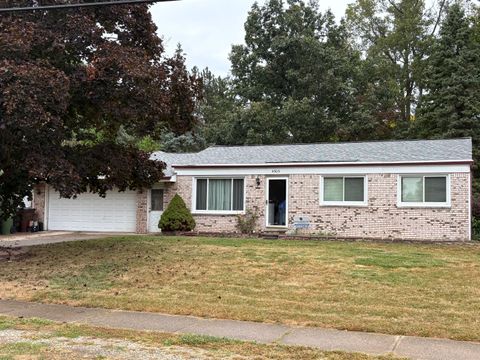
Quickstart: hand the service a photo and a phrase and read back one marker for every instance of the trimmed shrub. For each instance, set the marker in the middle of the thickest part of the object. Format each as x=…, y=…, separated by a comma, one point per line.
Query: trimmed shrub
x=177, y=217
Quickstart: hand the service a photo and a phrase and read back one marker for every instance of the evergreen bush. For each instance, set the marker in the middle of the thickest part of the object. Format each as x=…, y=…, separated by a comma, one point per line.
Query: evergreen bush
x=176, y=217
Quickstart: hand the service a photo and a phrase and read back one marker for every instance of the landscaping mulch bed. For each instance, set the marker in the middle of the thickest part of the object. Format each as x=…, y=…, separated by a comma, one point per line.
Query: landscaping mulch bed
x=326, y=238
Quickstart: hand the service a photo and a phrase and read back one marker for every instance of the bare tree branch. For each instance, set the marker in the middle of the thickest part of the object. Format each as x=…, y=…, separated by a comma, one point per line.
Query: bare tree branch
x=442, y=5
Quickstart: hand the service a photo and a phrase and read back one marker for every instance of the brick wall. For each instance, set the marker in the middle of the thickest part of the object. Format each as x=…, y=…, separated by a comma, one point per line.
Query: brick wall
x=39, y=196
x=142, y=212
x=381, y=219
x=255, y=199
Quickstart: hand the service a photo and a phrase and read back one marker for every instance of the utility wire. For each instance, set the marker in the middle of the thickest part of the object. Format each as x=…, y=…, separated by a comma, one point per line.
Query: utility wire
x=79, y=5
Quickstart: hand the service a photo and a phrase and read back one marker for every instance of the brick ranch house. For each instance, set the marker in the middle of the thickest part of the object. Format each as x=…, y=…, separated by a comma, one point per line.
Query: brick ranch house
x=417, y=189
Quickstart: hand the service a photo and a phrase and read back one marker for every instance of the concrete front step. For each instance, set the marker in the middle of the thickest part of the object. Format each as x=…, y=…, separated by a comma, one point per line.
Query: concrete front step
x=273, y=233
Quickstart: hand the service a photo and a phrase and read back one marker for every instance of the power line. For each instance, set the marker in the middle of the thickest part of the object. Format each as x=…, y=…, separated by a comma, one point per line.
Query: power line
x=79, y=5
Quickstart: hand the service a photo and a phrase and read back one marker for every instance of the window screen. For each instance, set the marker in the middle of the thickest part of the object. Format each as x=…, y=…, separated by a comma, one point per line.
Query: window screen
x=435, y=189
x=412, y=189
x=424, y=189
x=238, y=194
x=344, y=189
x=157, y=200
x=354, y=189
x=333, y=189
x=201, y=194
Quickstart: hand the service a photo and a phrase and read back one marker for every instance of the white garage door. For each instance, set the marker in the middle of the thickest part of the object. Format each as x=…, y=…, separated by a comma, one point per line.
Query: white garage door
x=89, y=212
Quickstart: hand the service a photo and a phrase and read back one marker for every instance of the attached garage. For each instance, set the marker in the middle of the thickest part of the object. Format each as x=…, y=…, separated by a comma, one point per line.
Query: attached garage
x=90, y=212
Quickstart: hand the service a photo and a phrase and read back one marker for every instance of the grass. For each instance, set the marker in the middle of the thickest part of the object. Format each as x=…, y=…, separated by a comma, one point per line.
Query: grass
x=211, y=347
x=18, y=350
x=408, y=289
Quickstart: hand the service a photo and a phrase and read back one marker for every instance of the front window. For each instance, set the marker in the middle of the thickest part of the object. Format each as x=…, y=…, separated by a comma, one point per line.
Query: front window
x=219, y=194
x=156, y=201
x=343, y=190
x=424, y=190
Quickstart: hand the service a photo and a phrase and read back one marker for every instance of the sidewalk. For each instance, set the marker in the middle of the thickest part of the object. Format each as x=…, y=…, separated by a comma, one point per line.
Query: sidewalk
x=325, y=339
x=50, y=237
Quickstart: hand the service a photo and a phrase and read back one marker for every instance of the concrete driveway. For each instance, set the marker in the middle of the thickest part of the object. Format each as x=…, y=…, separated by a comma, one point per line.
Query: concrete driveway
x=50, y=237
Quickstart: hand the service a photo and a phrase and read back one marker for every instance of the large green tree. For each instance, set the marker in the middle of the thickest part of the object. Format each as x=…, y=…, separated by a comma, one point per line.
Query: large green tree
x=302, y=77
x=293, y=79
x=395, y=37
x=451, y=105
x=219, y=109
x=70, y=81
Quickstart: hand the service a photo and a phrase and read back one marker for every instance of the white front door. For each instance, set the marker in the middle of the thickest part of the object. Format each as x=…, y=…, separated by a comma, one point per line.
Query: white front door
x=155, y=209
x=277, y=202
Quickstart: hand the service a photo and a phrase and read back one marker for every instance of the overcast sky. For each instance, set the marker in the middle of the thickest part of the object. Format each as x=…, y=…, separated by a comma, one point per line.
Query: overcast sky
x=208, y=28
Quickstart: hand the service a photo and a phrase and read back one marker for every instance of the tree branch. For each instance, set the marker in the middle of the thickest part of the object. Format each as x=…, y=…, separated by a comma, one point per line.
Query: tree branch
x=442, y=4
x=395, y=6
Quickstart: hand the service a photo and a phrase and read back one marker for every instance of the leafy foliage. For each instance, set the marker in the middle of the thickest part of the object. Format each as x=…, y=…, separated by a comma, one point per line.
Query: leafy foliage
x=169, y=142
x=291, y=81
x=188, y=142
x=451, y=106
x=247, y=223
x=302, y=77
x=219, y=109
x=70, y=82
x=177, y=217
x=395, y=36
x=475, y=228
x=476, y=217
x=390, y=69
x=90, y=92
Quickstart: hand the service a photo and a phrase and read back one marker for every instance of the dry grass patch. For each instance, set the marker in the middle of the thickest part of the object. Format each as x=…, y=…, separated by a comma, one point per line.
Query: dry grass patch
x=425, y=290
x=42, y=344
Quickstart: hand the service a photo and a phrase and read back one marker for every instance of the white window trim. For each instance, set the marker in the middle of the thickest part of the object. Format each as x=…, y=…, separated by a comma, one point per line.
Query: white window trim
x=423, y=204
x=217, y=212
x=363, y=203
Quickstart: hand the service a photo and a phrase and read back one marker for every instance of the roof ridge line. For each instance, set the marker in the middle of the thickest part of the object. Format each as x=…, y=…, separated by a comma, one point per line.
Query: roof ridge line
x=337, y=143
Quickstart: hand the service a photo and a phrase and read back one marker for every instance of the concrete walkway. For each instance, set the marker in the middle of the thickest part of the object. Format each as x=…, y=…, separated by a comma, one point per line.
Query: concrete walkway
x=325, y=339
x=50, y=237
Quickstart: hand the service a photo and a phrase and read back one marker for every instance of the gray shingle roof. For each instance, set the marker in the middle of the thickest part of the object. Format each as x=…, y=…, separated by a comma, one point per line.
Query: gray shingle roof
x=374, y=151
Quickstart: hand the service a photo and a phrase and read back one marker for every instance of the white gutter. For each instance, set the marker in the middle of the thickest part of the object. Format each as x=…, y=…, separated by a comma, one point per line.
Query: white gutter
x=283, y=164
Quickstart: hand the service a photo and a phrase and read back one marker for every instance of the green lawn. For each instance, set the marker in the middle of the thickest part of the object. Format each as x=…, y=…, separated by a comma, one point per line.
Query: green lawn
x=425, y=290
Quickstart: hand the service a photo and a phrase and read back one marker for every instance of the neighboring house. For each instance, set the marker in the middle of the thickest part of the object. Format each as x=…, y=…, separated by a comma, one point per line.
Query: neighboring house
x=386, y=189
